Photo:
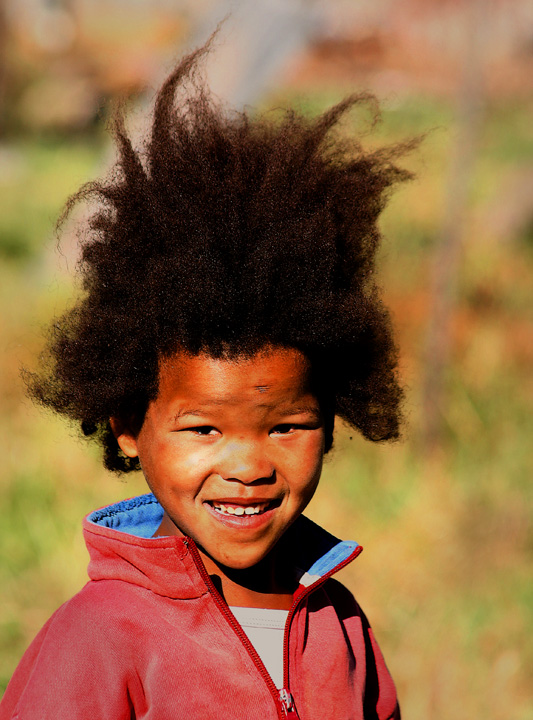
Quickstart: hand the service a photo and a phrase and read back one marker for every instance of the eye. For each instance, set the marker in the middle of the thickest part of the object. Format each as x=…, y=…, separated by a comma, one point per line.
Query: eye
x=284, y=429
x=202, y=430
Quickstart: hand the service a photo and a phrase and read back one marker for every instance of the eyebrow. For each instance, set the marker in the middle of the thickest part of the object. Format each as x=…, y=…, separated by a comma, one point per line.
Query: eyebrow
x=299, y=410
x=293, y=410
x=186, y=411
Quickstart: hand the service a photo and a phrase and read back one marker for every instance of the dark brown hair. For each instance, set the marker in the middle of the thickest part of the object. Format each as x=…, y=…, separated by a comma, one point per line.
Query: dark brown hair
x=224, y=234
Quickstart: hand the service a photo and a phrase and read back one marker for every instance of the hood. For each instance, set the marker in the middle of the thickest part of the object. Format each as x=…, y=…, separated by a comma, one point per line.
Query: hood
x=121, y=547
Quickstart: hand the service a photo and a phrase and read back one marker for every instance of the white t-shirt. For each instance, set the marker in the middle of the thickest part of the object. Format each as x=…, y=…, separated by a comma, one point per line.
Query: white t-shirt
x=265, y=628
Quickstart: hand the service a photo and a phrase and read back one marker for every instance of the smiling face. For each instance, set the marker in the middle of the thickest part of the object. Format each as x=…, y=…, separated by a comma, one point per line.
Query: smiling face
x=232, y=449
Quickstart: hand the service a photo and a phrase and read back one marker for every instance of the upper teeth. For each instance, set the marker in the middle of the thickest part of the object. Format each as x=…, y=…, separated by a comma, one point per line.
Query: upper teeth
x=239, y=509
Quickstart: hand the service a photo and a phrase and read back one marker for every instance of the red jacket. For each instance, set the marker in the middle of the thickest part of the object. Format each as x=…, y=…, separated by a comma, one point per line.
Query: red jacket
x=149, y=637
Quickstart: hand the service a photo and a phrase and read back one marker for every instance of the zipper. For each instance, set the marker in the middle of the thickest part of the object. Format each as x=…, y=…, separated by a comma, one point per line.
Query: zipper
x=283, y=699
x=288, y=704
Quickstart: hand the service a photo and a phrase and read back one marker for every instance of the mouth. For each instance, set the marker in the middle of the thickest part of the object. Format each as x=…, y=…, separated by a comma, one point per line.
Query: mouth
x=242, y=513
x=227, y=508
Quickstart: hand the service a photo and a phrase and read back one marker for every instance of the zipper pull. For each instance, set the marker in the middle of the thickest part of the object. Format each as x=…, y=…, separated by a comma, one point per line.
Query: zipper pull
x=288, y=703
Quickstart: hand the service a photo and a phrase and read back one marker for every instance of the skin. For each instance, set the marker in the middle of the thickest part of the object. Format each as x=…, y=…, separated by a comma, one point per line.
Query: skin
x=240, y=431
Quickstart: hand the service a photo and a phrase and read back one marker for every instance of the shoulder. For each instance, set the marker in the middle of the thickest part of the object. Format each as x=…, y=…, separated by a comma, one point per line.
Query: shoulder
x=102, y=611
x=342, y=600
x=337, y=606
x=79, y=656
x=102, y=600
x=380, y=692
x=98, y=616
x=350, y=612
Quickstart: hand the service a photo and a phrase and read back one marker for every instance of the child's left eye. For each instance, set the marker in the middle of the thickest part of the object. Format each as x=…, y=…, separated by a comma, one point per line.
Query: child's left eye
x=283, y=429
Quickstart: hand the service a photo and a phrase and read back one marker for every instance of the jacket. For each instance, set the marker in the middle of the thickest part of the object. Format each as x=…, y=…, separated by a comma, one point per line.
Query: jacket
x=150, y=638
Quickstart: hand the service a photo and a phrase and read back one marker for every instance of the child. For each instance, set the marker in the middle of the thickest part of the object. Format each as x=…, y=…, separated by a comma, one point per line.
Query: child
x=229, y=314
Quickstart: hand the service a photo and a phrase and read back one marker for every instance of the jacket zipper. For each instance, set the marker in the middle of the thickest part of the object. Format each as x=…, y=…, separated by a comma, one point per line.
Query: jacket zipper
x=283, y=699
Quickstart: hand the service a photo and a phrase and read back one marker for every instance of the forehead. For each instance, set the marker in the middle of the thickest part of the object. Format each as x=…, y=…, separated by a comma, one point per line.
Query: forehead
x=271, y=373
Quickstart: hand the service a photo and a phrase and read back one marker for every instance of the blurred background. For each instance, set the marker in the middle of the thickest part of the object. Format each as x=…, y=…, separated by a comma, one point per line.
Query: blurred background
x=445, y=515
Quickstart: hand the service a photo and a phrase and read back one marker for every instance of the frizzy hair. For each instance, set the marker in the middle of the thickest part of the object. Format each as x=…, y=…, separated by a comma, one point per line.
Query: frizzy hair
x=227, y=234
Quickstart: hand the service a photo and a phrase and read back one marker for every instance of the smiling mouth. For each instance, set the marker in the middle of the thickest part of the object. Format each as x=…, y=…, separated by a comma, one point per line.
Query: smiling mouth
x=235, y=510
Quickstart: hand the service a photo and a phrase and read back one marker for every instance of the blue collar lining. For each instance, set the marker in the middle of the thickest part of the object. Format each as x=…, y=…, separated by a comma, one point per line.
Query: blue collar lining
x=139, y=516
x=332, y=558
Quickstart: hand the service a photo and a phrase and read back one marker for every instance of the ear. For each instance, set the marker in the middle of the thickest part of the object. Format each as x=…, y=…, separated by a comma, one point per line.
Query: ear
x=125, y=436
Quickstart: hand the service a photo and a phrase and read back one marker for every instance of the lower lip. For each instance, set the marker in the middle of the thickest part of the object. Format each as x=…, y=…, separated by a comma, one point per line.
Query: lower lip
x=242, y=522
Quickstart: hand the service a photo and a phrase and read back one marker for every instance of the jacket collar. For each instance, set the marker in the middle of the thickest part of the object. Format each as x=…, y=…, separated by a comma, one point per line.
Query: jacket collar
x=121, y=547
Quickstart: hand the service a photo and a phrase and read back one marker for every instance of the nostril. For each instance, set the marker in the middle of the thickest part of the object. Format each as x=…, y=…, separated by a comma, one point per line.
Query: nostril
x=249, y=478
x=248, y=474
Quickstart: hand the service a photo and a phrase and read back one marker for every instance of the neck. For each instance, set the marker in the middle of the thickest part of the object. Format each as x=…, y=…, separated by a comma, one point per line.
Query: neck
x=265, y=585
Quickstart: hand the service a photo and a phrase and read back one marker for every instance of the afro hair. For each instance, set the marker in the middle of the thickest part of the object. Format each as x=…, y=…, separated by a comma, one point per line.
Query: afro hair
x=226, y=233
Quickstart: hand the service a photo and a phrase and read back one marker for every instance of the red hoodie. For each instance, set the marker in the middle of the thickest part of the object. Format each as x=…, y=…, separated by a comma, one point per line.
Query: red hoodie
x=150, y=637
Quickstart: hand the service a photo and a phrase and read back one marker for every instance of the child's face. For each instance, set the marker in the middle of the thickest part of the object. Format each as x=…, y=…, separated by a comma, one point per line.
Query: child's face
x=232, y=449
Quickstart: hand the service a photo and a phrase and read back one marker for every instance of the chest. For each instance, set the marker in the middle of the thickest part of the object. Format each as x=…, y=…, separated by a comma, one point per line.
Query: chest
x=197, y=663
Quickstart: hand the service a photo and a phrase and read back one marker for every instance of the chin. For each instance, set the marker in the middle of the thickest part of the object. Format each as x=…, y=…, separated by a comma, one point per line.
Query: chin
x=241, y=564
x=241, y=561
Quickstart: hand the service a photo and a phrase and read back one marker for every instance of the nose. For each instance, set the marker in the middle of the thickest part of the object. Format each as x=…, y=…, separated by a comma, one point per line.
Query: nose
x=244, y=461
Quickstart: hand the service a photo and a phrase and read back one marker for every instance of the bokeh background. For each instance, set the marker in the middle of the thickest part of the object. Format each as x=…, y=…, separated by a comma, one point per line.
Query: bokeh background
x=445, y=515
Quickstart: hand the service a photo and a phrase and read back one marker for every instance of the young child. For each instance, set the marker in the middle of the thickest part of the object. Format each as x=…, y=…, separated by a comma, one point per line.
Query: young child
x=229, y=313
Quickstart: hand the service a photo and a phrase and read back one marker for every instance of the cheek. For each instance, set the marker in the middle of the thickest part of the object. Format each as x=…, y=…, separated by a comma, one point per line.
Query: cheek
x=314, y=450
x=172, y=461
x=305, y=464
x=316, y=458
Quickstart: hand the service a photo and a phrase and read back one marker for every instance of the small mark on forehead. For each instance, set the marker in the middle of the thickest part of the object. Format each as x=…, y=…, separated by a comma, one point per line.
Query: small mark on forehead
x=262, y=388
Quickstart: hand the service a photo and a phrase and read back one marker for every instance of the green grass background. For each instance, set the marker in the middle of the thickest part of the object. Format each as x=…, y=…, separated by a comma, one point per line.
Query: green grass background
x=446, y=573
